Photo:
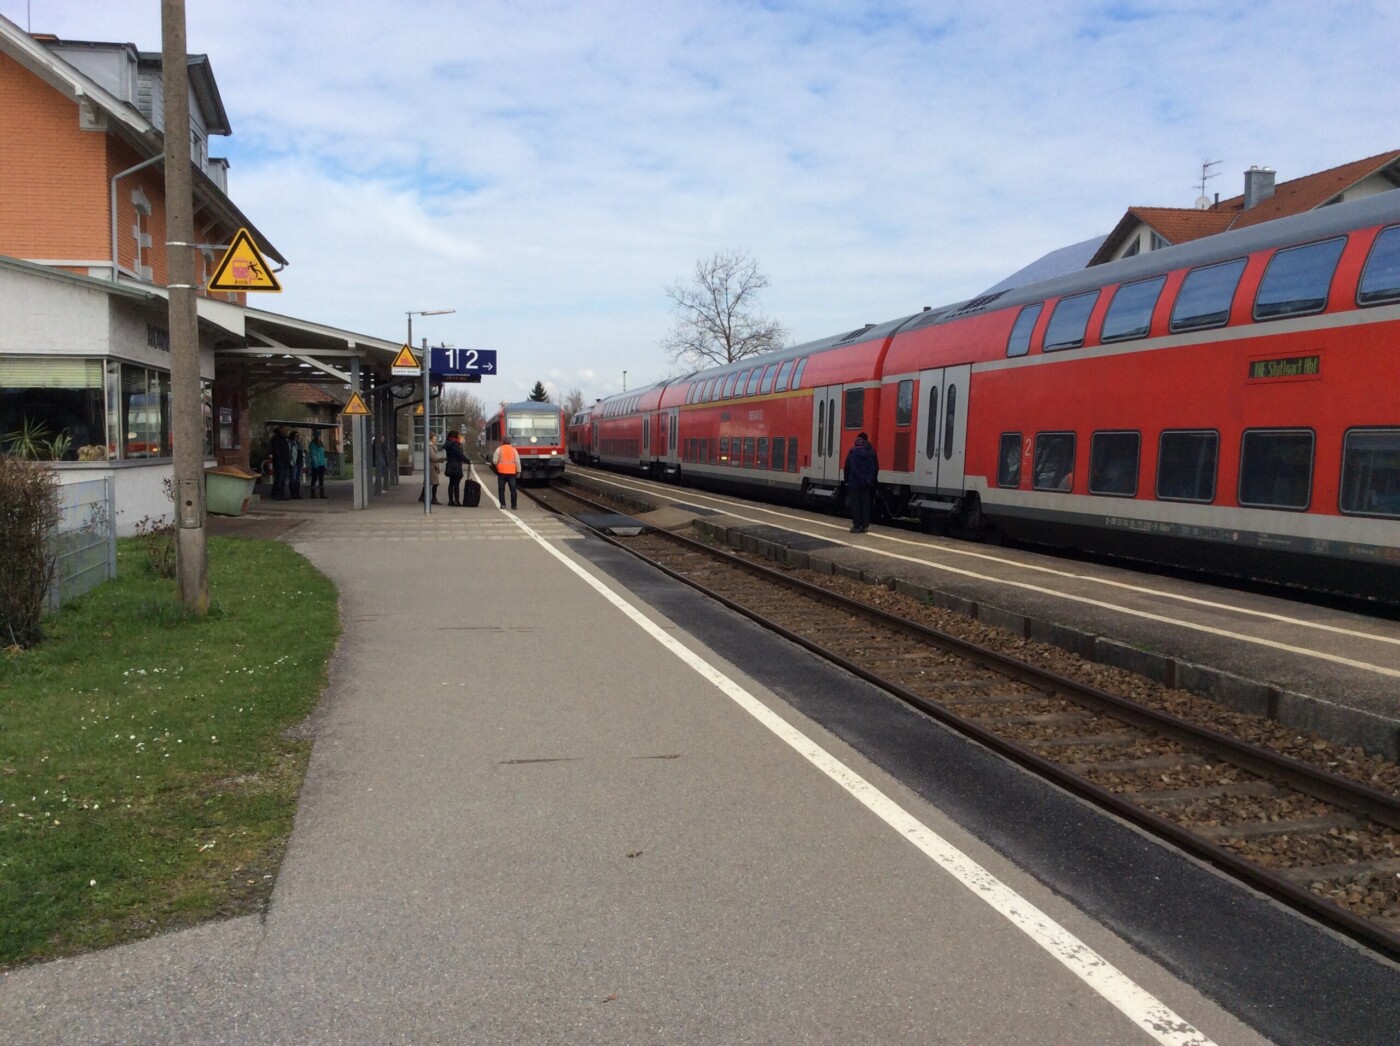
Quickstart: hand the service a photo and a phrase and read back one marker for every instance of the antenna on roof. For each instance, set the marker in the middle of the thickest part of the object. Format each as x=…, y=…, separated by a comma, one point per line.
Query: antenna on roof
x=1203, y=201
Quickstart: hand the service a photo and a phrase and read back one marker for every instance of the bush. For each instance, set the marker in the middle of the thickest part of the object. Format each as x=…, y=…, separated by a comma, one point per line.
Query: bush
x=29, y=514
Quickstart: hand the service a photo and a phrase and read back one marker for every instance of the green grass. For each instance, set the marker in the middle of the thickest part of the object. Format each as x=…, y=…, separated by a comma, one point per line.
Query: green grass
x=146, y=782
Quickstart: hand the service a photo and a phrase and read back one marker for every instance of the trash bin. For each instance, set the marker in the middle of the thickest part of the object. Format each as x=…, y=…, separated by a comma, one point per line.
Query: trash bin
x=228, y=489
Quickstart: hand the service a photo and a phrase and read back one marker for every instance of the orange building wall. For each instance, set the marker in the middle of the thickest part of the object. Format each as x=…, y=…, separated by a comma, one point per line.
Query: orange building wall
x=52, y=181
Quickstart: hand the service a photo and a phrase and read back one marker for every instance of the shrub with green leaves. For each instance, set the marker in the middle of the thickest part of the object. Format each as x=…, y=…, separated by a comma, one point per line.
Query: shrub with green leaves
x=29, y=514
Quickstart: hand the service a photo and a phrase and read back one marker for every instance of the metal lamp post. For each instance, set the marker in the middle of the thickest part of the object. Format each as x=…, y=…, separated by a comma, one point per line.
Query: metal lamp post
x=427, y=404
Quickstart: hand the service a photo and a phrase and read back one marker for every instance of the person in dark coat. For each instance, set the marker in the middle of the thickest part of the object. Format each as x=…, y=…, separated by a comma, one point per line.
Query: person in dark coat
x=862, y=470
x=281, y=463
x=456, y=465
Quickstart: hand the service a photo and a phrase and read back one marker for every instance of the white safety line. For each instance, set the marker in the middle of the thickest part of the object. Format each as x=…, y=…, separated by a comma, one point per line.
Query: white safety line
x=1143, y=1009
x=1241, y=637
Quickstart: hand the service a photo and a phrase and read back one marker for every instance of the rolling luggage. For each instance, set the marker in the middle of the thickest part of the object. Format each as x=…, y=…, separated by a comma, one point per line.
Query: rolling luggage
x=471, y=490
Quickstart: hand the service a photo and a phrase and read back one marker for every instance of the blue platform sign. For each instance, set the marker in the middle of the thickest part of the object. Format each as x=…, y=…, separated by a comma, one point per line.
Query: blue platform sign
x=462, y=363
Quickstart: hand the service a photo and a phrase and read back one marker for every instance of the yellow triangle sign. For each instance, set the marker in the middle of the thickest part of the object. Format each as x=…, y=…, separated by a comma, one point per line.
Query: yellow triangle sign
x=404, y=362
x=356, y=405
x=243, y=268
x=418, y=410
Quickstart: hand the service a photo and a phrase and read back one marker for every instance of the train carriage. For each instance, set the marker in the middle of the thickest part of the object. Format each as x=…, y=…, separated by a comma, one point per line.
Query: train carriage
x=537, y=431
x=1228, y=403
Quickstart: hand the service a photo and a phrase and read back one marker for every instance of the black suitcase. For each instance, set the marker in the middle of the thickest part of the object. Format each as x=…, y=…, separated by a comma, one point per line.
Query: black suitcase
x=471, y=492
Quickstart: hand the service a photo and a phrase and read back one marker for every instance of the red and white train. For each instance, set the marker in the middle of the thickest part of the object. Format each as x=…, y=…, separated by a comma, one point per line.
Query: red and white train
x=1230, y=403
x=536, y=431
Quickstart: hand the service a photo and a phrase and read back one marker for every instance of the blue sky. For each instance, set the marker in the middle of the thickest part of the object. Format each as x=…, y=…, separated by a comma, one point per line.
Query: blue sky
x=548, y=169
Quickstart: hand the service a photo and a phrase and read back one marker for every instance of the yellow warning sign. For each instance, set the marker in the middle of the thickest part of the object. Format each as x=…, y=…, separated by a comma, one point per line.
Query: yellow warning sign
x=406, y=364
x=243, y=268
x=418, y=410
x=355, y=406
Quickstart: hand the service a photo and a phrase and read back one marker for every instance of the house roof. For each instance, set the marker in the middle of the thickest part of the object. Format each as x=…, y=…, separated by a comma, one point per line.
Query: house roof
x=1183, y=224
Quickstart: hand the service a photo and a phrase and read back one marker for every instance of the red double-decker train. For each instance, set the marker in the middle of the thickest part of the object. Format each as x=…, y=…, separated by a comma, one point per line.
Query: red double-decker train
x=1229, y=404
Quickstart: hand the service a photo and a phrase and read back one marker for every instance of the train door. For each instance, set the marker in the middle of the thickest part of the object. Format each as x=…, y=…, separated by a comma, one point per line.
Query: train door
x=826, y=435
x=942, y=441
x=673, y=449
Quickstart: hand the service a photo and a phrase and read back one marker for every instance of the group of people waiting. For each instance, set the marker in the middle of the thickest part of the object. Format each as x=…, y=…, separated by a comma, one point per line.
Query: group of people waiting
x=290, y=460
x=451, y=460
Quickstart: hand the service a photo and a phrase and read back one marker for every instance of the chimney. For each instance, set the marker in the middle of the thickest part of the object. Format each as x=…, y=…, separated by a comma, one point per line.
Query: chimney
x=1258, y=185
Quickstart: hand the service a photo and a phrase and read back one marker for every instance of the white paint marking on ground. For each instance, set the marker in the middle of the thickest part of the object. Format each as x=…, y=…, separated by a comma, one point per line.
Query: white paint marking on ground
x=1292, y=648
x=1139, y=1006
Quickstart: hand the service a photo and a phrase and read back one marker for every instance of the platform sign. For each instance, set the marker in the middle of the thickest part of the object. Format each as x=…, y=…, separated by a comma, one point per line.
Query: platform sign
x=243, y=268
x=462, y=364
x=406, y=364
x=356, y=406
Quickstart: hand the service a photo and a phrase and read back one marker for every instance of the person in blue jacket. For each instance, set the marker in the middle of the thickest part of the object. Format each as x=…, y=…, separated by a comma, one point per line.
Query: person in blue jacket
x=862, y=469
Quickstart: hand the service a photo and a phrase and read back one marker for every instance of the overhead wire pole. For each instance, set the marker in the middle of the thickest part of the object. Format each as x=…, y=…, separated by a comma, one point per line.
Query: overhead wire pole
x=187, y=430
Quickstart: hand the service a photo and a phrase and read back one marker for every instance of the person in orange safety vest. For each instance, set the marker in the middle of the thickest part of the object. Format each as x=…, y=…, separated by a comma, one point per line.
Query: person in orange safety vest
x=506, y=462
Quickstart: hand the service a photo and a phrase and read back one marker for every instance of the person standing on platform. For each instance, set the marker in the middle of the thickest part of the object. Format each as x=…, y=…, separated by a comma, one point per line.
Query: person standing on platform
x=381, y=461
x=862, y=469
x=435, y=458
x=506, y=462
x=298, y=461
x=456, y=460
x=281, y=463
x=316, y=462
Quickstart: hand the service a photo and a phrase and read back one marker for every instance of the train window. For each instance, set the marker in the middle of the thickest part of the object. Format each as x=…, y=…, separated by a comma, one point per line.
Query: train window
x=1009, y=460
x=1205, y=296
x=716, y=387
x=754, y=380
x=931, y=436
x=1276, y=468
x=1186, y=466
x=781, y=384
x=1297, y=280
x=904, y=403
x=1380, y=280
x=728, y=386
x=779, y=445
x=1113, y=463
x=950, y=411
x=792, y=454
x=742, y=383
x=768, y=373
x=1020, y=341
x=853, y=410
x=1069, y=321
x=748, y=452
x=724, y=450
x=762, y=460
x=1054, y=461
x=1371, y=472
x=797, y=374
x=1130, y=312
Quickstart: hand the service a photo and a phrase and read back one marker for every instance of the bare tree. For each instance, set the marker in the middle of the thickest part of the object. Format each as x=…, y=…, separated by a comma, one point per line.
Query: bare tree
x=717, y=316
x=573, y=402
x=457, y=403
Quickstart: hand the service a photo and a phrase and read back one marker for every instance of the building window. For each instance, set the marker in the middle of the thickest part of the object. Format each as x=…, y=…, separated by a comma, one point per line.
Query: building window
x=55, y=404
x=143, y=411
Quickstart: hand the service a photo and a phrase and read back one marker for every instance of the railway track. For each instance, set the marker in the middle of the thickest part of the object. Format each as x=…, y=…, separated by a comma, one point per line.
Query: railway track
x=1321, y=842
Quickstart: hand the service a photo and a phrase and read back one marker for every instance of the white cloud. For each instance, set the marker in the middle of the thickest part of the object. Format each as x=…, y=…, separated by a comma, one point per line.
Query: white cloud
x=549, y=168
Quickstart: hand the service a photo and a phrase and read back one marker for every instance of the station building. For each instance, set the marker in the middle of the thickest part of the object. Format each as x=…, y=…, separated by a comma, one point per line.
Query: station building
x=84, y=338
